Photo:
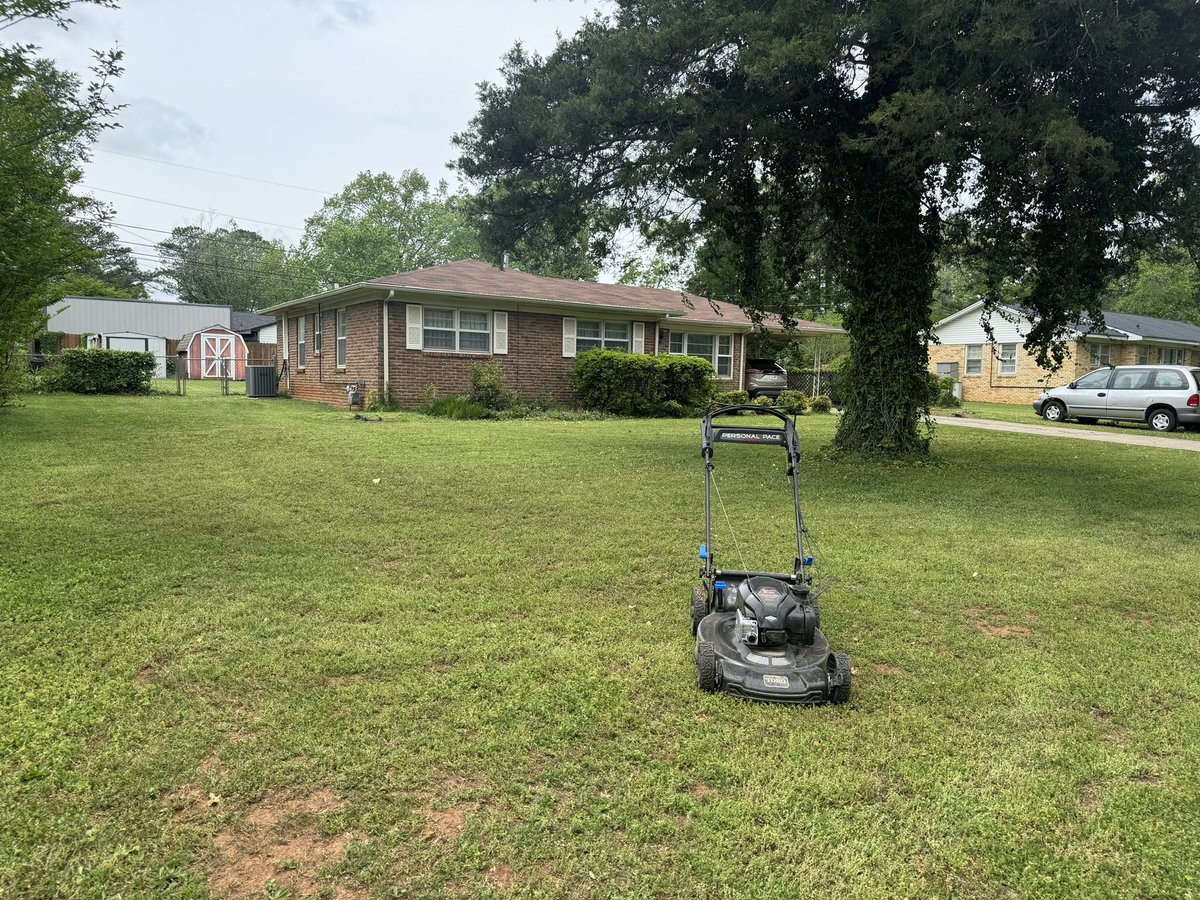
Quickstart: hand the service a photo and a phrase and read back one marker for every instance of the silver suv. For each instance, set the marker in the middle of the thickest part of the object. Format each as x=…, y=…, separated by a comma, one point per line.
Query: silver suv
x=767, y=378
x=1164, y=397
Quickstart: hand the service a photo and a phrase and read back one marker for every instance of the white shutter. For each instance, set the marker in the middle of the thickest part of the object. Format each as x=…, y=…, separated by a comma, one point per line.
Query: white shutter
x=499, y=332
x=413, y=326
x=568, y=336
x=639, y=337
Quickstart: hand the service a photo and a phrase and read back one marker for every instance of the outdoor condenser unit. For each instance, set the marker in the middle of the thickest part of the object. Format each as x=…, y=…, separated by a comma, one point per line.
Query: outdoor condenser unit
x=260, y=381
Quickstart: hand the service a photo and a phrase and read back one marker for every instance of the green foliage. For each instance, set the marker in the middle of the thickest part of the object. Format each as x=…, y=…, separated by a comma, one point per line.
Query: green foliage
x=793, y=403
x=763, y=401
x=229, y=265
x=1166, y=286
x=1036, y=138
x=100, y=372
x=821, y=404
x=632, y=384
x=941, y=391
x=487, y=387
x=380, y=401
x=455, y=407
x=48, y=120
x=729, y=398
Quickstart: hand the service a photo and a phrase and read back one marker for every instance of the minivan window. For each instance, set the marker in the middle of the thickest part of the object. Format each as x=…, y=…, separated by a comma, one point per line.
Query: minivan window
x=1094, y=380
x=1132, y=380
x=1169, y=380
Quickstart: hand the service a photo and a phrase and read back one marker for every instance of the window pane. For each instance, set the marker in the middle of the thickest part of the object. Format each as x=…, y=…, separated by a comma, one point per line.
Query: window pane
x=616, y=331
x=341, y=351
x=472, y=321
x=616, y=345
x=586, y=329
x=975, y=351
x=1169, y=380
x=676, y=342
x=725, y=345
x=725, y=366
x=584, y=344
x=1093, y=380
x=439, y=339
x=1008, y=359
x=341, y=323
x=439, y=318
x=473, y=340
x=700, y=345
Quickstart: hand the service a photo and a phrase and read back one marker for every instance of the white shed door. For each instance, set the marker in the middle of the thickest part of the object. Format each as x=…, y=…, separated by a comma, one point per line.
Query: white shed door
x=215, y=348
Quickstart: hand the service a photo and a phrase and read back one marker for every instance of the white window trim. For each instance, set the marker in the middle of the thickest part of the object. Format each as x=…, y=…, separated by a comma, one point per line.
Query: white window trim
x=1003, y=359
x=341, y=326
x=969, y=360
x=301, y=345
x=1094, y=354
x=717, y=355
x=458, y=330
x=604, y=338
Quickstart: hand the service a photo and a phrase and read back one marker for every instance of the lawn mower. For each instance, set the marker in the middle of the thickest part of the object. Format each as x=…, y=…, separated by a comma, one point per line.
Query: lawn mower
x=758, y=634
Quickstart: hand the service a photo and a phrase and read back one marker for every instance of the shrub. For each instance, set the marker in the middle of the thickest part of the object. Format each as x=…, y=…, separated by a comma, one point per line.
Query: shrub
x=380, y=401
x=673, y=409
x=686, y=380
x=730, y=398
x=487, y=387
x=821, y=403
x=941, y=391
x=541, y=403
x=454, y=407
x=101, y=372
x=764, y=400
x=792, y=403
x=616, y=382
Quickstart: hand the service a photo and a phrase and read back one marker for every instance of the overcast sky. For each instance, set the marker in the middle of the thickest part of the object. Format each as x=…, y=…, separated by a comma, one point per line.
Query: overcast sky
x=304, y=92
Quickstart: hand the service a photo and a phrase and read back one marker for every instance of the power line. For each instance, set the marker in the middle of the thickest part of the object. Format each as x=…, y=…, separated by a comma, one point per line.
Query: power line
x=164, y=162
x=193, y=208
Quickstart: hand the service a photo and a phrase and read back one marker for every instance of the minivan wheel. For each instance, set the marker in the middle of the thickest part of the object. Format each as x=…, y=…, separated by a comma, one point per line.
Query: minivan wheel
x=1163, y=420
x=1054, y=411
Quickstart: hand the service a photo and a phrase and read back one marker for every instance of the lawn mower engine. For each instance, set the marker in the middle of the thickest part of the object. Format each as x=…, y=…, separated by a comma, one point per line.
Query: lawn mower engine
x=771, y=613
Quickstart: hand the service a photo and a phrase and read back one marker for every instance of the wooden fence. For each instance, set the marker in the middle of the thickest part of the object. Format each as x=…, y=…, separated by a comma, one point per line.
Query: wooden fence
x=260, y=354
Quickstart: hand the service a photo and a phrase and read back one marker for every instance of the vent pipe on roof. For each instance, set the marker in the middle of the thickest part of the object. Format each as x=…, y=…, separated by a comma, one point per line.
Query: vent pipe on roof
x=504, y=261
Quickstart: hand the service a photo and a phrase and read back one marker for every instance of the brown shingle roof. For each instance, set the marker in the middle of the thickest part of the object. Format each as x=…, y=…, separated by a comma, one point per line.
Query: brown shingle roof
x=470, y=276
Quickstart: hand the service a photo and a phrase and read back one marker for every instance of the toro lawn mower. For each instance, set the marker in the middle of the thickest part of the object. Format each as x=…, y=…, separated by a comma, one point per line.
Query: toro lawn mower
x=757, y=633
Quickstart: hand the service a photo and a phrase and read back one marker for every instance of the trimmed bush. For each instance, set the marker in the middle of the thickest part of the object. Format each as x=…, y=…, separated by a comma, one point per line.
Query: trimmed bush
x=454, y=407
x=821, y=403
x=487, y=387
x=101, y=372
x=763, y=401
x=941, y=391
x=792, y=403
x=631, y=384
x=730, y=398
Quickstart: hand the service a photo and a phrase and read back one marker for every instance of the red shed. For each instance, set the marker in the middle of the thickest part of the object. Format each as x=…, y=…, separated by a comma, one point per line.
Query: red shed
x=205, y=353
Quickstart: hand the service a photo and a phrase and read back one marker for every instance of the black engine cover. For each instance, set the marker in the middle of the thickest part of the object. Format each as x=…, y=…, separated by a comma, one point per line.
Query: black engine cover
x=783, y=613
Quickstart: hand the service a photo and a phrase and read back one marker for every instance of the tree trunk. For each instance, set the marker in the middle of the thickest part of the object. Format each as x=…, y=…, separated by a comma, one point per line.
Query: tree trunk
x=888, y=263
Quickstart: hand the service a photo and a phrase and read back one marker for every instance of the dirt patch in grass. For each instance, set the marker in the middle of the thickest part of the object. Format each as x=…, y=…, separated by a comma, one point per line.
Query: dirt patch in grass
x=501, y=877
x=279, y=841
x=993, y=623
x=342, y=680
x=445, y=824
x=888, y=669
x=1087, y=800
x=700, y=790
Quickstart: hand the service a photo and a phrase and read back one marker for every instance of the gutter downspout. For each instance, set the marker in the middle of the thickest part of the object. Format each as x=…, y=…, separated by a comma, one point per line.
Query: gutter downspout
x=386, y=368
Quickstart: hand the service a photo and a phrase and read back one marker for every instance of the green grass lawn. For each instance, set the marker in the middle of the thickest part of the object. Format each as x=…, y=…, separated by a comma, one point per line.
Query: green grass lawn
x=256, y=648
x=1024, y=414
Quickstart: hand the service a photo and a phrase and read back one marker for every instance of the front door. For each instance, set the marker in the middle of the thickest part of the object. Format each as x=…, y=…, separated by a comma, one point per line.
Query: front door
x=1089, y=396
x=216, y=350
x=1129, y=394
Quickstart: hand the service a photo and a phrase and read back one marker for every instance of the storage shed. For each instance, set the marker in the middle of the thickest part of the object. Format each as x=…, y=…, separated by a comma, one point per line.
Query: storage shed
x=205, y=353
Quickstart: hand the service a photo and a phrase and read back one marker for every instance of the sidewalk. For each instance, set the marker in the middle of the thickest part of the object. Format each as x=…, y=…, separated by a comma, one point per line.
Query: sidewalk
x=1141, y=440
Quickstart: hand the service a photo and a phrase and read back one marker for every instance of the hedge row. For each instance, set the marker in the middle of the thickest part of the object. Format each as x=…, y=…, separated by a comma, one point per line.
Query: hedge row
x=101, y=372
x=632, y=384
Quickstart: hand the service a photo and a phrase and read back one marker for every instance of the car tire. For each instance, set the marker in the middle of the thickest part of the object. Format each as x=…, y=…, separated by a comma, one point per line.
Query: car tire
x=699, y=606
x=841, y=693
x=1054, y=411
x=1162, y=419
x=706, y=666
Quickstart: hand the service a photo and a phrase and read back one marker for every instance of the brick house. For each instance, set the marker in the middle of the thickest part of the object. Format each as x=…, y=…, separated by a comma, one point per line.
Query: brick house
x=427, y=327
x=998, y=369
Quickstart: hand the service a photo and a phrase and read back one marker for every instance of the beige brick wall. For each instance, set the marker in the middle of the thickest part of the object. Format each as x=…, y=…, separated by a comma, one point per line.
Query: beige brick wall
x=1023, y=386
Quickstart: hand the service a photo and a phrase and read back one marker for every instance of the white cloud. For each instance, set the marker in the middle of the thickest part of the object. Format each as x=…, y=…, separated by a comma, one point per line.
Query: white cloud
x=150, y=127
x=336, y=13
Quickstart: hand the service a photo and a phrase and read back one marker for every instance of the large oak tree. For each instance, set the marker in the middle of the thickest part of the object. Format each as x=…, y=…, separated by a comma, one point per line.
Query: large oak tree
x=1046, y=137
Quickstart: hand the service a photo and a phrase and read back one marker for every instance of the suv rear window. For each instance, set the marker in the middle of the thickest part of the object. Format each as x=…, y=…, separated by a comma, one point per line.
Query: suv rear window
x=765, y=365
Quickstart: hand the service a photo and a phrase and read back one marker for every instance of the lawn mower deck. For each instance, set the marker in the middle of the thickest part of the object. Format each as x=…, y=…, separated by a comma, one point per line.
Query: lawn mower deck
x=758, y=634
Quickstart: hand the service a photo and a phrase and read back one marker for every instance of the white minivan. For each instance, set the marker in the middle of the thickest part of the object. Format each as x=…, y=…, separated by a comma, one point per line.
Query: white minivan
x=1164, y=397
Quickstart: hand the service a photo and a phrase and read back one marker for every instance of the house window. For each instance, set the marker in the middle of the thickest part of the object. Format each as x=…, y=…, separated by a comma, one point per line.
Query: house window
x=591, y=335
x=340, y=335
x=1100, y=354
x=300, y=354
x=317, y=333
x=464, y=330
x=716, y=348
x=1008, y=359
x=1170, y=356
x=974, y=359
x=1143, y=355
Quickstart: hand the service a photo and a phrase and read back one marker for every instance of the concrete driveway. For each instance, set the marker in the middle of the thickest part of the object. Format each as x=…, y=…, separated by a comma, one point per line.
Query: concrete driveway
x=1141, y=440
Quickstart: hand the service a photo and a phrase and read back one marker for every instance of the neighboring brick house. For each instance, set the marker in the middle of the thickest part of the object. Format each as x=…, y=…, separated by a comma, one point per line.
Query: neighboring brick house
x=428, y=326
x=998, y=369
